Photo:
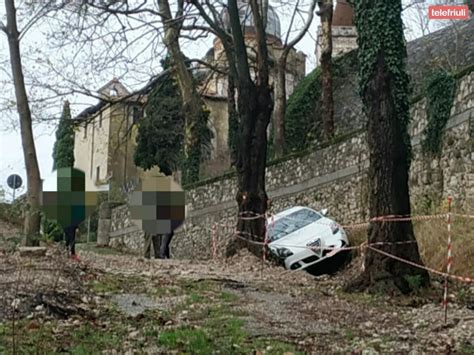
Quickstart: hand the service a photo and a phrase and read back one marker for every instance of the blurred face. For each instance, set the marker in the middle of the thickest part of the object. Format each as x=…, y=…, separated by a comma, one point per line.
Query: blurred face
x=158, y=205
x=65, y=199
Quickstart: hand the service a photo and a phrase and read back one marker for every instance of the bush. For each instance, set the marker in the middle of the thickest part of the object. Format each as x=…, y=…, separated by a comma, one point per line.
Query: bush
x=12, y=213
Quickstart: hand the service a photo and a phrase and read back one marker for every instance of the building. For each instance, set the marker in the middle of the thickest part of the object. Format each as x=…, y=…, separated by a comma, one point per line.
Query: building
x=344, y=33
x=214, y=88
x=105, y=138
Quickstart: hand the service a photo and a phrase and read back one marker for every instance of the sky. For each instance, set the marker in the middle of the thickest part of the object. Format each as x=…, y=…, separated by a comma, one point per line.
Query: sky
x=36, y=71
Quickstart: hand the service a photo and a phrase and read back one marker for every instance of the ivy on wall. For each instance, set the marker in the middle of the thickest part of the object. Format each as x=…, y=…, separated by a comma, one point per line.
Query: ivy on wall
x=387, y=39
x=440, y=91
x=202, y=151
x=300, y=111
x=303, y=121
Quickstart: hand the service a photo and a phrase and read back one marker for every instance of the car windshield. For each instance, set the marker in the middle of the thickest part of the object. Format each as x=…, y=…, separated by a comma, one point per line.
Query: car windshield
x=291, y=223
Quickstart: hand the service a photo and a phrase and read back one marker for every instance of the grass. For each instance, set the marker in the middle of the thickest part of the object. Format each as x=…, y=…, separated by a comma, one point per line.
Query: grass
x=432, y=237
x=89, y=339
x=188, y=340
x=467, y=349
x=213, y=321
x=27, y=341
x=117, y=284
x=223, y=332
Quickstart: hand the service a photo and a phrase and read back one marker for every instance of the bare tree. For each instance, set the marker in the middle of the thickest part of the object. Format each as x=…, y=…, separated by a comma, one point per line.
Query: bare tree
x=325, y=12
x=32, y=216
x=417, y=22
x=280, y=82
x=254, y=109
x=192, y=102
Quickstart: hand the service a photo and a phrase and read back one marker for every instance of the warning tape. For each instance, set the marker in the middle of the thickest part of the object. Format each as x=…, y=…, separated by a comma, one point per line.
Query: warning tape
x=256, y=242
x=363, y=248
x=455, y=277
x=249, y=215
x=470, y=216
x=386, y=218
x=395, y=218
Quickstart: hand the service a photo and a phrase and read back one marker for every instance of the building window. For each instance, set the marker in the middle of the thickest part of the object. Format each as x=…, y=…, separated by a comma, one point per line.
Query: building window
x=85, y=131
x=97, y=178
x=136, y=114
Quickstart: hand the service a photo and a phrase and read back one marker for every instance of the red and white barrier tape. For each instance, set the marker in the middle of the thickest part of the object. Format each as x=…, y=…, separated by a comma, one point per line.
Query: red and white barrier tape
x=469, y=216
x=256, y=242
x=360, y=225
x=363, y=247
x=403, y=218
x=454, y=277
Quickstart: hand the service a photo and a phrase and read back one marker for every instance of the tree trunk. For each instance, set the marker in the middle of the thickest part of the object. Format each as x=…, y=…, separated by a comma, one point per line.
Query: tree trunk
x=233, y=121
x=280, y=107
x=32, y=215
x=255, y=108
x=255, y=105
x=325, y=11
x=192, y=103
x=384, y=92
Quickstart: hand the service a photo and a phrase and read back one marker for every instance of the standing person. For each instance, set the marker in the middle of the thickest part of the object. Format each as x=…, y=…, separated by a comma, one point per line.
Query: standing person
x=165, y=245
x=157, y=207
x=66, y=201
x=156, y=241
x=166, y=238
x=70, y=237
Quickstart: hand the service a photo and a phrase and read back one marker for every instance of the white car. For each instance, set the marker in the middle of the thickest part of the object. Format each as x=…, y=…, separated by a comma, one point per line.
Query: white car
x=299, y=236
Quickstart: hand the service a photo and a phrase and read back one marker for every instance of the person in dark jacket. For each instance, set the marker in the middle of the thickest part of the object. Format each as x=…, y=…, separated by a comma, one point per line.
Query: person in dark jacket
x=67, y=202
x=157, y=207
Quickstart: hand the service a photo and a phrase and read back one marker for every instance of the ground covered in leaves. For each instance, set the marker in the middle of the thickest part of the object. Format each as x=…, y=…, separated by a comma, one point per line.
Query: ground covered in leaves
x=120, y=304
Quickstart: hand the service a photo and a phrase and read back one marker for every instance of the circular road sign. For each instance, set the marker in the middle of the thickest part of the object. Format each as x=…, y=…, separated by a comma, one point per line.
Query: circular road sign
x=14, y=181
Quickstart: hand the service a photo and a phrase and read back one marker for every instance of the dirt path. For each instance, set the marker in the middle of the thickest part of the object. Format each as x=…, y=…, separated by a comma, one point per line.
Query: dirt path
x=131, y=305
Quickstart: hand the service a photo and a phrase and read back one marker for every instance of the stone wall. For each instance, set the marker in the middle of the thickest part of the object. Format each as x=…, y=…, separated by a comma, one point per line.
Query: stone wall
x=124, y=234
x=333, y=177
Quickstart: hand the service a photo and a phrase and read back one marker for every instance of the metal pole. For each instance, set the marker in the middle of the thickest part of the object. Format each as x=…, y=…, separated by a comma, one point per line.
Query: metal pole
x=14, y=187
x=449, y=262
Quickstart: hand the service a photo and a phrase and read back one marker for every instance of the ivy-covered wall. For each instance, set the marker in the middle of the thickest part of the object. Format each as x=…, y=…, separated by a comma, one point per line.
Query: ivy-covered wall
x=449, y=50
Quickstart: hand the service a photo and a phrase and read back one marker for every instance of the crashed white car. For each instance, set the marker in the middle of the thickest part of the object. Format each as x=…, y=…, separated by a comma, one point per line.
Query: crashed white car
x=299, y=236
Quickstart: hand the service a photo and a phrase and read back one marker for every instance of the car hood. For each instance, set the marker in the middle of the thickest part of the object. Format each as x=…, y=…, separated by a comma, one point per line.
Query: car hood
x=300, y=238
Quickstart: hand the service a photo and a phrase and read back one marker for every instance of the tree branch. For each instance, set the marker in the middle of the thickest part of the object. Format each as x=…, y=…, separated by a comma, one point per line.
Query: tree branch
x=305, y=29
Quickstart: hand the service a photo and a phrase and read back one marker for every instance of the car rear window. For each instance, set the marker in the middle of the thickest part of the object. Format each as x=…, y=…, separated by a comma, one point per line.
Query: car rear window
x=291, y=223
